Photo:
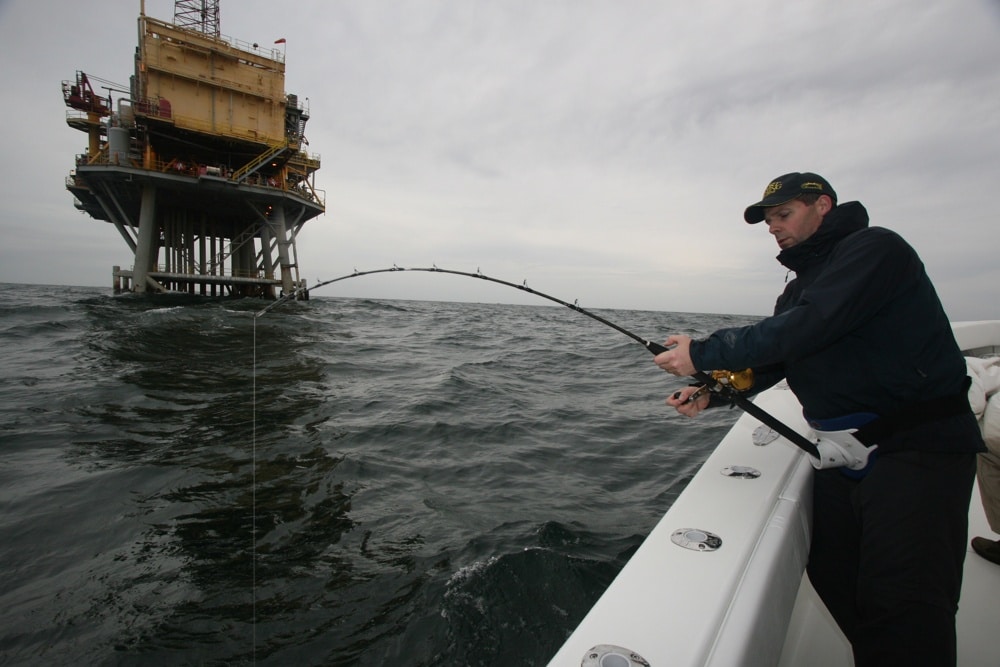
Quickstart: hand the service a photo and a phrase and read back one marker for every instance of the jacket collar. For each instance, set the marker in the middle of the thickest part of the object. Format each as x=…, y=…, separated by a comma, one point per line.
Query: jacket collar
x=839, y=223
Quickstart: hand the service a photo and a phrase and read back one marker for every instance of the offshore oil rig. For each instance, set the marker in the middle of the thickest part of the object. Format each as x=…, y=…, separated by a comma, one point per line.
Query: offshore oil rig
x=200, y=165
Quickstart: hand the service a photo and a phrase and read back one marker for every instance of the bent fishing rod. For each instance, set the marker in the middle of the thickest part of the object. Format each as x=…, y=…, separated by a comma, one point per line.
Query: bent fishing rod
x=717, y=385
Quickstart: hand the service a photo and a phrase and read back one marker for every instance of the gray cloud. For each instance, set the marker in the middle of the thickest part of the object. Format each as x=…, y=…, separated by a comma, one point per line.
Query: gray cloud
x=602, y=150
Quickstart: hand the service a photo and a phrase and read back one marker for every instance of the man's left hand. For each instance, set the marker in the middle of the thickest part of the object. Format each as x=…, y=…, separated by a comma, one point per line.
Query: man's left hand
x=677, y=360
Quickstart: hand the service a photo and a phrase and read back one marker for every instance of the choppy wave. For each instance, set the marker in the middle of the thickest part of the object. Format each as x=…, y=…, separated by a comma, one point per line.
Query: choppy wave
x=338, y=482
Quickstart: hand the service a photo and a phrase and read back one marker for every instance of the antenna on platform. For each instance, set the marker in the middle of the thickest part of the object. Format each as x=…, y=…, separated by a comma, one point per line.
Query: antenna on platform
x=199, y=15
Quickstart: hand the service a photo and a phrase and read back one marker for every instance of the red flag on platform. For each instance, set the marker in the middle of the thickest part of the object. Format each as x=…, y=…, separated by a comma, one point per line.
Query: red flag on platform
x=280, y=41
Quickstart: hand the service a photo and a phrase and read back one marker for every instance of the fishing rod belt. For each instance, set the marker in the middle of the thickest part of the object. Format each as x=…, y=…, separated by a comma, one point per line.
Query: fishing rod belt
x=915, y=414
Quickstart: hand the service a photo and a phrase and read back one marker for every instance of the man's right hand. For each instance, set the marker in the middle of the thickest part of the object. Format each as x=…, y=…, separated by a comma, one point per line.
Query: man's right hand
x=679, y=400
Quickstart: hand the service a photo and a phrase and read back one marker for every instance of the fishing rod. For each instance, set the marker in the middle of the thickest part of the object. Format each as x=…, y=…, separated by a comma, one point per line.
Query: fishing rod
x=721, y=383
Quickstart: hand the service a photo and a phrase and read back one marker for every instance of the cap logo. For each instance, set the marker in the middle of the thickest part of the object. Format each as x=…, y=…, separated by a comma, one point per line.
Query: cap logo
x=812, y=185
x=771, y=188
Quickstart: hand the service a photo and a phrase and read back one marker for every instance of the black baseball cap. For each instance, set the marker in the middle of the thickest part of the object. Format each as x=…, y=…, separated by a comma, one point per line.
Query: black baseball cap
x=785, y=188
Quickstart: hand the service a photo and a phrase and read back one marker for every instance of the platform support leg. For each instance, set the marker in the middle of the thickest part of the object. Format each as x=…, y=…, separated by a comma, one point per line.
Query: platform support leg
x=148, y=244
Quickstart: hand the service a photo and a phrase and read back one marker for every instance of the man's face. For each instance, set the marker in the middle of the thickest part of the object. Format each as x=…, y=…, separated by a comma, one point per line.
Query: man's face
x=795, y=221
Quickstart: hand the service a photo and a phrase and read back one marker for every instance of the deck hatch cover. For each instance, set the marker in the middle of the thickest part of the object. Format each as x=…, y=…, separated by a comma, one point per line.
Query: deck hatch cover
x=764, y=435
x=696, y=540
x=743, y=472
x=608, y=655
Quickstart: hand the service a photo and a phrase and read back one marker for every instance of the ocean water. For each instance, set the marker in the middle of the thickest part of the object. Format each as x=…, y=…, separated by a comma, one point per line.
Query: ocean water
x=336, y=482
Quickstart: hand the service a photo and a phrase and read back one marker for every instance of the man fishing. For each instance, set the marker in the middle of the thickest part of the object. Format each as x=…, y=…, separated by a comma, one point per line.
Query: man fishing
x=864, y=343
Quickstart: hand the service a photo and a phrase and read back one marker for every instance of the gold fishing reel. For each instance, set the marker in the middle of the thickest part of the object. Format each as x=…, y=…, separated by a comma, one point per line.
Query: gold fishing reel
x=735, y=380
x=738, y=380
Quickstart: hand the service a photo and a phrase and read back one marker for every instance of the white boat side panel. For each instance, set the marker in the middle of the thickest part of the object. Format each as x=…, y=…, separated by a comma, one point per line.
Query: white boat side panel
x=977, y=335
x=665, y=604
x=754, y=628
x=813, y=637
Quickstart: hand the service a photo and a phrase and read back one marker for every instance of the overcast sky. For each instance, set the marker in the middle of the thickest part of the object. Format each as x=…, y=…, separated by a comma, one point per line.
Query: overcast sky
x=601, y=150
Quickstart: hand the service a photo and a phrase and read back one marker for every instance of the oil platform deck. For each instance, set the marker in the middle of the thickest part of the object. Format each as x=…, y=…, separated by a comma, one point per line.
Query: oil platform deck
x=201, y=167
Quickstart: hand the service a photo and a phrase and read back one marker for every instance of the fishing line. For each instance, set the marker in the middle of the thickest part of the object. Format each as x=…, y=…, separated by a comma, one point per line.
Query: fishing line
x=734, y=397
x=253, y=503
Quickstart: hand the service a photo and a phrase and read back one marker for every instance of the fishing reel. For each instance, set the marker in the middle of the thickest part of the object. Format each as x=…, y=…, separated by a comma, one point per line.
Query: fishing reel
x=725, y=382
x=738, y=380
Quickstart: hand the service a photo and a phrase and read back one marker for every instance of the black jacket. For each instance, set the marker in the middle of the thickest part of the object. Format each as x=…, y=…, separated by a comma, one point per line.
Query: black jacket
x=860, y=329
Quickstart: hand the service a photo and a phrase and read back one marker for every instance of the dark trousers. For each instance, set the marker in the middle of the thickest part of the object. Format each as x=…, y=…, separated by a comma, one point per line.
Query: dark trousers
x=887, y=555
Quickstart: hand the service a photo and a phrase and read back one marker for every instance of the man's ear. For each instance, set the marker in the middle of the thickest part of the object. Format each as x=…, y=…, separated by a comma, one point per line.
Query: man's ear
x=824, y=204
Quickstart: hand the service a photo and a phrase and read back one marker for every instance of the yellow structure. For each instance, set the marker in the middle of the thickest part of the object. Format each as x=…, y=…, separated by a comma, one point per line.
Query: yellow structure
x=201, y=167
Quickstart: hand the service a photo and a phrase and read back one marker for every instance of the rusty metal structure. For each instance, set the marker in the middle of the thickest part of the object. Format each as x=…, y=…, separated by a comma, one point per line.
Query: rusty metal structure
x=200, y=164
